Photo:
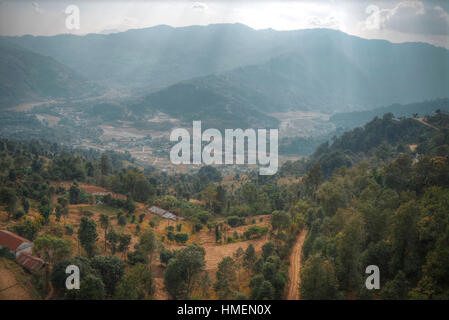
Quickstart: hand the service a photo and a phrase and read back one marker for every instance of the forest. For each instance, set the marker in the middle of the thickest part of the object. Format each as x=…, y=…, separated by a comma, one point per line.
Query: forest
x=376, y=195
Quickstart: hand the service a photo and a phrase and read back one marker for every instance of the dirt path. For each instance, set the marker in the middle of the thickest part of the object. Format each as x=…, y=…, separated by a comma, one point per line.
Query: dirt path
x=10, y=287
x=295, y=266
x=421, y=120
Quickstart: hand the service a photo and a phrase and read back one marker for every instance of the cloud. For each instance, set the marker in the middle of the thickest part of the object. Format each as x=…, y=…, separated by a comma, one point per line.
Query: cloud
x=199, y=6
x=412, y=16
x=329, y=22
x=36, y=7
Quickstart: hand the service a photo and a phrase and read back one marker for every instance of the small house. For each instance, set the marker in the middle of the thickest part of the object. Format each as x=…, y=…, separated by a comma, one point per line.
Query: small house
x=16, y=244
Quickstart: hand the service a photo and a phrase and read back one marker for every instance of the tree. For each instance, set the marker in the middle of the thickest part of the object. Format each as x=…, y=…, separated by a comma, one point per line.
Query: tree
x=395, y=289
x=148, y=244
x=87, y=235
x=58, y=212
x=181, y=237
x=26, y=205
x=249, y=258
x=183, y=271
x=45, y=209
x=129, y=204
x=238, y=258
x=279, y=220
x=111, y=270
x=166, y=255
x=58, y=275
x=226, y=274
x=313, y=178
x=255, y=284
x=267, y=250
x=121, y=220
x=266, y=291
x=137, y=284
x=350, y=242
x=91, y=288
x=404, y=239
x=124, y=242
x=104, y=224
x=9, y=198
x=105, y=166
x=112, y=238
x=51, y=248
x=318, y=279
x=74, y=194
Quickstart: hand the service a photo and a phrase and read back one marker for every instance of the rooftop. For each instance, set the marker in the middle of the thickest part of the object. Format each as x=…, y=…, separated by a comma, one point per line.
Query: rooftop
x=11, y=240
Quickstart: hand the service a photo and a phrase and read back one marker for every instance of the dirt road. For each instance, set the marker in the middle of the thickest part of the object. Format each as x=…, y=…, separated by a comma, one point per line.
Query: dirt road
x=421, y=120
x=10, y=287
x=295, y=266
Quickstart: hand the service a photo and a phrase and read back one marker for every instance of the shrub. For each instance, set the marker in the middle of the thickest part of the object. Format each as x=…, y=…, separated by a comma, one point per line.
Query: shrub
x=122, y=221
x=181, y=237
x=235, y=221
x=254, y=232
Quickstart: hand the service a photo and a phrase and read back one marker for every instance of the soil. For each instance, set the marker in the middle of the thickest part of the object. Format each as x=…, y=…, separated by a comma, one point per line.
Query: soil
x=10, y=286
x=295, y=266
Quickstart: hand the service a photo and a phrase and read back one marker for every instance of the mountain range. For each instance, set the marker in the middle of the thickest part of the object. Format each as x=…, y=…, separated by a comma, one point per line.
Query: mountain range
x=230, y=72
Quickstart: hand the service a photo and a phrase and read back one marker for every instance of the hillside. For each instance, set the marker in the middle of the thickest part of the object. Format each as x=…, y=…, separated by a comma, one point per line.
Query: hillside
x=26, y=76
x=188, y=102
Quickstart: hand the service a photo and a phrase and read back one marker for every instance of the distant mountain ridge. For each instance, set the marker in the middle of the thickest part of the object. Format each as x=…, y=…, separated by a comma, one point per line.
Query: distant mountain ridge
x=256, y=70
x=359, y=118
x=26, y=76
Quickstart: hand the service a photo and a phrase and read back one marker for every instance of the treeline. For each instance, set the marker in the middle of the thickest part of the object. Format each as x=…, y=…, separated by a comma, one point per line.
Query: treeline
x=419, y=109
x=379, y=140
x=392, y=213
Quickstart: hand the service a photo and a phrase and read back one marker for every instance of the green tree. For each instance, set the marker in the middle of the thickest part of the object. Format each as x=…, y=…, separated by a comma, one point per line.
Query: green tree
x=249, y=258
x=183, y=271
x=226, y=275
x=149, y=245
x=318, y=279
x=105, y=166
x=51, y=248
x=124, y=242
x=279, y=220
x=267, y=250
x=137, y=284
x=104, y=224
x=112, y=238
x=111, y=270
x=91, y=288
x=87, y=235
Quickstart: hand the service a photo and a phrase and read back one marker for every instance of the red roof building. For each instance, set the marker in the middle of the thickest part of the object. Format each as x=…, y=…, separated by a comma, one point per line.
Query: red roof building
x=16, y=244
x=30, y=262
x=22, y=249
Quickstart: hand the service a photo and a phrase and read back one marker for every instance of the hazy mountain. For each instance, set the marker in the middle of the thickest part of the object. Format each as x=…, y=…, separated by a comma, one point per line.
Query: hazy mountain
x=26, y=76
x=359, y=118
x=188, y=102
x=267, y=70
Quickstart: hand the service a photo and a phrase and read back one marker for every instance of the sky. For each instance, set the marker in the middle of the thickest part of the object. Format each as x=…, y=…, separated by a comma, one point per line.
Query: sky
x=392, y=20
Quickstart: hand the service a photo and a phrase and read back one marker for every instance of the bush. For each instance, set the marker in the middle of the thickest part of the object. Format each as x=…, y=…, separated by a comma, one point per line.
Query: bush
x=198, y=227
x=69, y=229
x=235, y=221
x=4, y=252
x=255, y=232
x=181, y=237
x=166, y=255
x=122, y=221
x=19, y=214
